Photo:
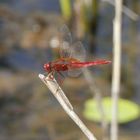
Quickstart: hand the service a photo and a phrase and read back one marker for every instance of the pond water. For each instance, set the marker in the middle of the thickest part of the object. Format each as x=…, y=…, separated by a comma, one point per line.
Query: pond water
x=28, y=109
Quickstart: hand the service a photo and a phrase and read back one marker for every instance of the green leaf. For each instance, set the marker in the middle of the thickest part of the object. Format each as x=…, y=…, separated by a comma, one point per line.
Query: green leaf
x=128, y=111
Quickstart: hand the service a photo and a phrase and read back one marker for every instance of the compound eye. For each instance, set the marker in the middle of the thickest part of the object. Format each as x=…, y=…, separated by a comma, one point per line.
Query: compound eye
x=46, y=66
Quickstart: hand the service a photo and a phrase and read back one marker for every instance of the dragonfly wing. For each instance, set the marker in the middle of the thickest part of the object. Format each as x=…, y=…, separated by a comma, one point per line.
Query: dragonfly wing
x=65, y=42
x=71, y=52
x=78, y=51
x=74, y=72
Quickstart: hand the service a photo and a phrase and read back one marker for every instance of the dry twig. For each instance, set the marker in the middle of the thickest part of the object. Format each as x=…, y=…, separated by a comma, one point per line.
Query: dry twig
x=56, y=90
x=116, y=73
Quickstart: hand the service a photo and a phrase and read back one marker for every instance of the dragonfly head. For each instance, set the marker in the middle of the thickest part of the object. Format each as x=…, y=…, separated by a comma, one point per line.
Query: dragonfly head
x=47, y=67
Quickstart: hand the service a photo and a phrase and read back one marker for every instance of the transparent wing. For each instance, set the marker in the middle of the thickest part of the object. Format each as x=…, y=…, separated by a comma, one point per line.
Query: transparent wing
x=65, y=42
x=73, y=52
x=78, y=51
x=74, y=72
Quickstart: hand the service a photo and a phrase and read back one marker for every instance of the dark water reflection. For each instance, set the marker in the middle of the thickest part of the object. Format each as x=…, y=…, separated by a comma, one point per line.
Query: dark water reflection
x=24, y=6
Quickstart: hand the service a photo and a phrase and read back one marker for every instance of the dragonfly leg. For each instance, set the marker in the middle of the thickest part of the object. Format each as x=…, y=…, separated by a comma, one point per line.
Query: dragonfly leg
x=61, y=74
x=45, y=73
x=61, y=77
x=51, y=75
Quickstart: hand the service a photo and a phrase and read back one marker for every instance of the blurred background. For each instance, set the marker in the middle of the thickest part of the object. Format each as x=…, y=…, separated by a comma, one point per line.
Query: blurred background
x=29, y=31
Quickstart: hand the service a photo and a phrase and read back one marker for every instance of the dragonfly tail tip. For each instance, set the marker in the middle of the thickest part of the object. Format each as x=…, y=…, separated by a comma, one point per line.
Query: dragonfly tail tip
x=109, y=61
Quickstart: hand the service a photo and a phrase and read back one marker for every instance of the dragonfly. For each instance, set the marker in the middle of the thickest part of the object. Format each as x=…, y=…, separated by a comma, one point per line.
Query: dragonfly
x=72, y=56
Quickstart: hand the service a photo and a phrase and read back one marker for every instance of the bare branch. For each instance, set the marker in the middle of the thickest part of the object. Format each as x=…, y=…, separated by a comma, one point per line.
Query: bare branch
x=116, y=71
x=56, y=90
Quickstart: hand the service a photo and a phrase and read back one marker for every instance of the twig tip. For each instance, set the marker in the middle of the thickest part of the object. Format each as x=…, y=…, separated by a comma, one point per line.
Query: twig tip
x=41, y=76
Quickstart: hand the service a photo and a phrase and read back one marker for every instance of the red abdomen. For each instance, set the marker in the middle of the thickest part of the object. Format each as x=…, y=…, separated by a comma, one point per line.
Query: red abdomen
x=88, y=64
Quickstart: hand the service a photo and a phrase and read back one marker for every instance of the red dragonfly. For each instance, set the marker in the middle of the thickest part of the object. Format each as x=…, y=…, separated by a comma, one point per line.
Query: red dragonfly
x=72, y=56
